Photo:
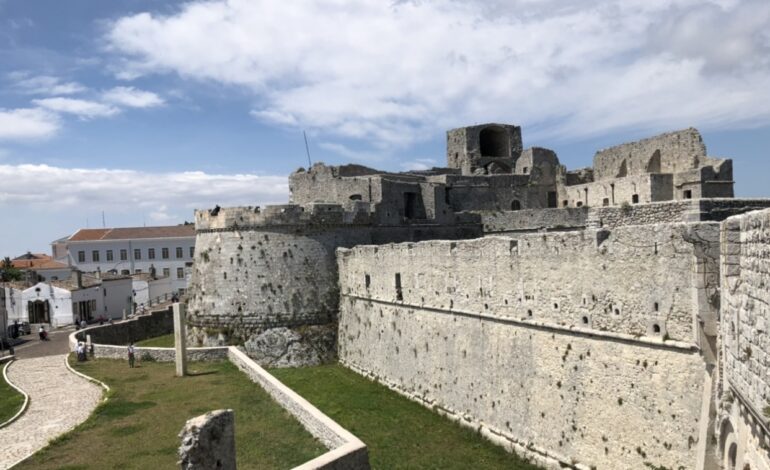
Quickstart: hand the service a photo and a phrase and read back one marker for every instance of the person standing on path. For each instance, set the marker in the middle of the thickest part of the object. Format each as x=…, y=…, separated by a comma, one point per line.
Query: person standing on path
x=131, y=354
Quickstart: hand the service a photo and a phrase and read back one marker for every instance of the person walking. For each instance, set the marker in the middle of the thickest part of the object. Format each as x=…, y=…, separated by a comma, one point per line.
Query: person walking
x=131, y=353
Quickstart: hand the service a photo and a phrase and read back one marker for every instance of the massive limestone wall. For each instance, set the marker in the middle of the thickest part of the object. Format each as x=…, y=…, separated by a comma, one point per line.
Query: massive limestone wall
x=267, y=279
x=672, y=152
x=562, y=345
x=745, y=384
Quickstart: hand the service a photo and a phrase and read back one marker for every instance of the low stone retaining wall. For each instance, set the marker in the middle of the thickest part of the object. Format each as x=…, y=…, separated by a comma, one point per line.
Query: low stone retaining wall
x=346, y=452
x=106, y=351
x=157, y=323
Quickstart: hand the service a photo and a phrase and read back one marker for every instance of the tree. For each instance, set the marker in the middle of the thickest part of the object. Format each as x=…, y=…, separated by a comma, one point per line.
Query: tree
x=8, y=272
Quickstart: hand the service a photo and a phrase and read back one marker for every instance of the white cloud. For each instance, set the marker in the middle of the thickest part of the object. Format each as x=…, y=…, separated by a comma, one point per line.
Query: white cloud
x=82, y=108
x=44, y=84
x=163, y=195
x=161, y=215
x=419, y=164
x=393, y=73
x=27, y=124
x=131, y=97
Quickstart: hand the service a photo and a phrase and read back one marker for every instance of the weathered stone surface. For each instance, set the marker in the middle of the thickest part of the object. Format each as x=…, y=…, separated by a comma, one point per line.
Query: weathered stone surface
x=744, y=421
x=208, y=442
x=284, y=347
x=517, y=336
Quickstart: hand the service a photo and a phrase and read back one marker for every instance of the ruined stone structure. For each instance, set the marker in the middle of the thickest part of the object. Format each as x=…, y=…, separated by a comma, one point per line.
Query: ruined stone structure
x=208, y=442
x=578, y=317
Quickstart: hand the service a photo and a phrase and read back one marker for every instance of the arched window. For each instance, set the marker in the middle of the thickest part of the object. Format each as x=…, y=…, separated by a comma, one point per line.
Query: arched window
x=623, y=171
x=732, y=456
x=515, y=205
x=494, y=142
x=653, y=166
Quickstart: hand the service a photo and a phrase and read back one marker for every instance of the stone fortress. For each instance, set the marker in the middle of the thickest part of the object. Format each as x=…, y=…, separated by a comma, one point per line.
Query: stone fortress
x=610, y=317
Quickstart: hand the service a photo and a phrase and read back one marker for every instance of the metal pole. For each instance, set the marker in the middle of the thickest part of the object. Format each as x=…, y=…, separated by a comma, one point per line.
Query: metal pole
x=307, y=149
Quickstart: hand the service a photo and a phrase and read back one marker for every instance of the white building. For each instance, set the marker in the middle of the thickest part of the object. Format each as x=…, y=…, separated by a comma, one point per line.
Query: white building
x=132, y=250
x=149, y=290
x=62, y=303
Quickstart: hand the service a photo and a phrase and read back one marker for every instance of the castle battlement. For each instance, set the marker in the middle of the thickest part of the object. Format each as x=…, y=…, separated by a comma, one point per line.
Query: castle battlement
x=605, y=317
x=233, y=218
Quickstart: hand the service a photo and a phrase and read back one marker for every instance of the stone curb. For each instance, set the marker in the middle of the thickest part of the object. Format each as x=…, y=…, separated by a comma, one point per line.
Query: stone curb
x=24, y=406
x=86, y=377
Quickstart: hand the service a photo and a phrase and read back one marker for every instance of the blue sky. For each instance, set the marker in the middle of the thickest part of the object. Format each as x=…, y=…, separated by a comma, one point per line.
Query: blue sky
x=148, y=109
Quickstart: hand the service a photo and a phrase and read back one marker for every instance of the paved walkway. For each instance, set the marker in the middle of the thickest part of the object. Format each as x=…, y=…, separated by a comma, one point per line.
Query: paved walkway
x=59, y=401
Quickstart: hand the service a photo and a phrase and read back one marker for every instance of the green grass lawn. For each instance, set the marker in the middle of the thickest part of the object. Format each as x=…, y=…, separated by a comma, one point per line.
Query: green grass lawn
x=165, y=341
x=138, y=426
x=399, y=432
x=10, y=399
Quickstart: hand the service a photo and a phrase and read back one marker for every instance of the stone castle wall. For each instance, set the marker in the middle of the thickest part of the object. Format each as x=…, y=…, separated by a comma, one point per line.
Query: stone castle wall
x=268, y=279
x=676, y=152
x=746, y=343
x=545, y=339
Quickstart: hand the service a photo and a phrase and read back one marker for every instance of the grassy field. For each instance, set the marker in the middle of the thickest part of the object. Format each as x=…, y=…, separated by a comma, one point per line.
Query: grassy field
x=10, y=399
x=138, y=426
x=400, y=433
x=165, y=341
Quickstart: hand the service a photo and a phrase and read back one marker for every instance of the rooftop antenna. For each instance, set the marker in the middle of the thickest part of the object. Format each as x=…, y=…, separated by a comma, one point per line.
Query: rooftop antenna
x=307, y=149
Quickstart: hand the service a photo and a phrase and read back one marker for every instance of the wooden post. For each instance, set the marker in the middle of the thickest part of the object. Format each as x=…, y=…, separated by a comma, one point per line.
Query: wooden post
x=180, y=314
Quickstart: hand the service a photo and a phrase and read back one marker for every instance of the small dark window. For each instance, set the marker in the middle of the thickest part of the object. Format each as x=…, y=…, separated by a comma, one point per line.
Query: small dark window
x=552, y=199
x=565, y=203
x=617, y=311
x=556, y=306
x=606, y=201
x=529, y=313
x=515, y=205
x=656, y=328
x=446, y=196
x=635, y=199
x=585, y=320
x=355, y=197
x=579, y=204
x=399, y=291
x=688, y=194
x=368, y=281
x=656, y=306
x=525, y=170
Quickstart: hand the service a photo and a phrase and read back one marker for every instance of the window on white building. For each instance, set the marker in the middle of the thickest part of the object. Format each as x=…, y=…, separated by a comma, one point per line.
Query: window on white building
x=95, y=256
x=180, y=273
x=164, y=253
x=192, y=252
x=151, y=253
x=166, y=272
x=179, y=252
x=81, y=256
x=109, y=255
x=123, y=255
x=137, y=253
